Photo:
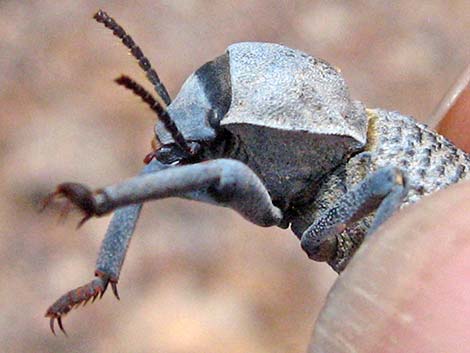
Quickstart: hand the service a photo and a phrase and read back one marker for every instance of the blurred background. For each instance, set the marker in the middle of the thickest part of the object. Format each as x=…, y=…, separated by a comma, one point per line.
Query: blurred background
x=197, y=278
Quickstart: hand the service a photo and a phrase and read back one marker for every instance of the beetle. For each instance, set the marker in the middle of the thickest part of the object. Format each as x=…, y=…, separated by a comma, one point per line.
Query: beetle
x=273, y=134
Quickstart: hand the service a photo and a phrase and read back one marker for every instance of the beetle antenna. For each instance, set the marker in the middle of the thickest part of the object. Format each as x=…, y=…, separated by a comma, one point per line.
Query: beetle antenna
x=158, y=106
x=144, y=63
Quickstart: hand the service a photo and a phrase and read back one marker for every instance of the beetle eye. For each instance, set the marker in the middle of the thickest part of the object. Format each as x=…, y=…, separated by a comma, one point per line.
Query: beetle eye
x=168, y=155
x=213, y=118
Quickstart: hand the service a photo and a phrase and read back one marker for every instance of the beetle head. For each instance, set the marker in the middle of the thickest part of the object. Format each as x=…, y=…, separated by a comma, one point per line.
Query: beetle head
x=190, y=122
x=197, y=110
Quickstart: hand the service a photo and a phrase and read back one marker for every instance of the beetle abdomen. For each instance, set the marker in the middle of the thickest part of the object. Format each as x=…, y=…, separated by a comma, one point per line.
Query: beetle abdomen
x=430, y=161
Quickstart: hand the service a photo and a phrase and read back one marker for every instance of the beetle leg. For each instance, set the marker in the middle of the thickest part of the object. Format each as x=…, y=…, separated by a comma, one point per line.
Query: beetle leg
x=110, y=259
x=76, y=195
x=225, y=182
x=75, y=297
x=382, y=191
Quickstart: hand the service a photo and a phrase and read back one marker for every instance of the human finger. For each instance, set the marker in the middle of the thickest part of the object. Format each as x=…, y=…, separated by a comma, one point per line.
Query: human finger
x=408, y=287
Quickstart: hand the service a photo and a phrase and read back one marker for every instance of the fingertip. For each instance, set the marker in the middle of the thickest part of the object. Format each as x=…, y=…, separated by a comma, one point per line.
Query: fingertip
x=453, y=112
x=407, y=288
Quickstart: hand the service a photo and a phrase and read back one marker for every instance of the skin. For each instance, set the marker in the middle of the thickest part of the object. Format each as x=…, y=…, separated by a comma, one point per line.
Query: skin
x=454, y=122
x=407, y=289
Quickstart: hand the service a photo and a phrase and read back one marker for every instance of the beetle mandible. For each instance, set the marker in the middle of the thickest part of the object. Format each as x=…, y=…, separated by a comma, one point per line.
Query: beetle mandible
x=272, y=133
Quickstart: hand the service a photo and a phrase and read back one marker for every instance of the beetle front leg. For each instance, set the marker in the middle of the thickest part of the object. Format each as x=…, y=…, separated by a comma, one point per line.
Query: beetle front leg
x=382, y=191
x=222, y=181
x=77, y=296
x=110, y=259
x=108, y=265
x=226, y=182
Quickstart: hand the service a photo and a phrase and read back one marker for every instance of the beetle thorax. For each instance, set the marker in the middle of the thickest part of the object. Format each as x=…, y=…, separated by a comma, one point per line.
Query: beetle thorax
x=293, y=118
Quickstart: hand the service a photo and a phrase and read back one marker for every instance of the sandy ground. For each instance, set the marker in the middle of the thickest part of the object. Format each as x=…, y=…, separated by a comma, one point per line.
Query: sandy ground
x=197, y=278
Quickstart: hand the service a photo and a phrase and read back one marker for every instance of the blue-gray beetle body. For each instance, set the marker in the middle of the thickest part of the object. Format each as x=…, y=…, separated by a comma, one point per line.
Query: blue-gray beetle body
x=272, y=133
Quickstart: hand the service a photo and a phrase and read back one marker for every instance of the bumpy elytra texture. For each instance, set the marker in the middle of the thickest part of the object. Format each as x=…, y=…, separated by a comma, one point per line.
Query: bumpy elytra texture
x=430, y=161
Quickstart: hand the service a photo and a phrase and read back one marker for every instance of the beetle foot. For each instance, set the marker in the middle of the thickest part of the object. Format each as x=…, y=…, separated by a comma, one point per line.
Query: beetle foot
x=78, y=196
x=80, y=295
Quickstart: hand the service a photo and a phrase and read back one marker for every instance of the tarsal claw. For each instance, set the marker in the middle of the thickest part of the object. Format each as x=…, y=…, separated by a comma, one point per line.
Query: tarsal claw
x=75, y=297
